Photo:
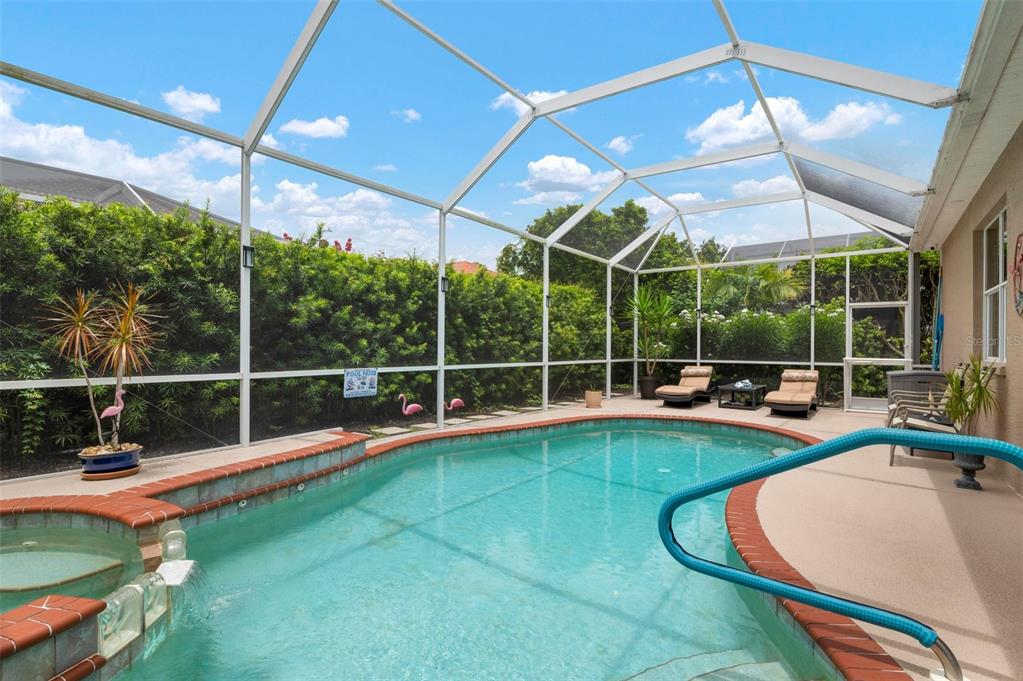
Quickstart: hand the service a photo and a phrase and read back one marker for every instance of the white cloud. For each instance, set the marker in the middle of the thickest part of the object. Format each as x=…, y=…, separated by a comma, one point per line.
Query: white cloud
x=656, y=208
x=621, y=144
x=732, y=125
x=386, y=168
x=172, y=172
x=773, y=185
x=561, y=179
x=365, y=216
x=10, y=97
x=507, y=101
x=551, y=198
x=712, y=76
x=370, y=218
x=408, y=115
x=321, y=127
x=270, y=141
x=848, y=120
x=191, y=105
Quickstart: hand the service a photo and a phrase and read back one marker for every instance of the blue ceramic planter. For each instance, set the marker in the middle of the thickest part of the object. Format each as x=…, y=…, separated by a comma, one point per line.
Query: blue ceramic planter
x=112, y=462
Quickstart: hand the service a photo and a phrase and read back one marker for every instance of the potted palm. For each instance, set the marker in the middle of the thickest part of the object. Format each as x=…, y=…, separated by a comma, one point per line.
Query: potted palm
x=118, y=334
x=653, y=311
x=969, y=394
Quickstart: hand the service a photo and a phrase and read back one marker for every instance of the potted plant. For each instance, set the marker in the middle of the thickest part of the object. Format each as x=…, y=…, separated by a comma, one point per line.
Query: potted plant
x=969, y=394
x=119, y=334
x=653, y=310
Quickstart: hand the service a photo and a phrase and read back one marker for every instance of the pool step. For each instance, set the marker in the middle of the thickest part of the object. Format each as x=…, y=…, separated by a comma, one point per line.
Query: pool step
x=726, y=665
x=752, y=671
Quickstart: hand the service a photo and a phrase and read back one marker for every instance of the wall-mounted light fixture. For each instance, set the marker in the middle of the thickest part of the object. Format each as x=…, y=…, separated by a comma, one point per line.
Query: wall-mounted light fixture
x=248, y=257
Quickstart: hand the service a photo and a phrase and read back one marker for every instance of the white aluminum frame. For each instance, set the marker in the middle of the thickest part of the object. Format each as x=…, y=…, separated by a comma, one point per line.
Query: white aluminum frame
x=747, y=53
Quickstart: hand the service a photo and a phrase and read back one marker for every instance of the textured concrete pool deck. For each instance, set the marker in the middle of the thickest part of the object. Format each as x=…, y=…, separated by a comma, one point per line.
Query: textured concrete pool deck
x=903, y=538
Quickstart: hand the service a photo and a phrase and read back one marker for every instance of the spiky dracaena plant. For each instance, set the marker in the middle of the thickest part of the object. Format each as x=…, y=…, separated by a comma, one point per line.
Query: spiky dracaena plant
x=653, y=310
x=128, y=333
x=970, y=394
x=75, y=325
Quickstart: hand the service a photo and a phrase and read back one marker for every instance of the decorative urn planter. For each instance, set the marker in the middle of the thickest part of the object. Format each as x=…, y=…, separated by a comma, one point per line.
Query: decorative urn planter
x=106, y=464
x=648, y=386
x=969, y=464
x=593, y=399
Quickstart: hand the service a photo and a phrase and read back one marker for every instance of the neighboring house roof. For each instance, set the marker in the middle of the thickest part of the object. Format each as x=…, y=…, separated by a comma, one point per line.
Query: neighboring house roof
x=37, y=182
x=793, y=246
x=467, y=267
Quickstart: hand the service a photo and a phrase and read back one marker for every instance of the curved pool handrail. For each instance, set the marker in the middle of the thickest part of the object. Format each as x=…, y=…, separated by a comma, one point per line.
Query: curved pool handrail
x=927, y=637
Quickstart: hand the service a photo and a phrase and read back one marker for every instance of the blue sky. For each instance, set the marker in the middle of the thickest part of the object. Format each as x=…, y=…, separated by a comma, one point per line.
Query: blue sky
x=379, y=100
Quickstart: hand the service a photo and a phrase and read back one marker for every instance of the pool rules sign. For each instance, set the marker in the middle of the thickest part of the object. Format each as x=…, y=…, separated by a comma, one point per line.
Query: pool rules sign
x=360, y=382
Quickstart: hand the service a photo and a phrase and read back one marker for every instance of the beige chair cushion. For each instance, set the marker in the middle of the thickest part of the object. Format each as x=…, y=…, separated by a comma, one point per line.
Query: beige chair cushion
x=791, y=397
x=676, y=390
x=799, y=375
x=696, y=371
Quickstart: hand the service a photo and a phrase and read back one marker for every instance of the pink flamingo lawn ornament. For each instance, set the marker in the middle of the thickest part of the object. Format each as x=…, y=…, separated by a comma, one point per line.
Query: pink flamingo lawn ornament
x=113, y=410
x=456, y=403
x=409, y=409
x=285, y=236
x=348, y=245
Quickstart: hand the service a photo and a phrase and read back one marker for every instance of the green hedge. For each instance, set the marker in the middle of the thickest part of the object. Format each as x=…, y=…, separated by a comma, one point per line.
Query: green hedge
x=312, y=307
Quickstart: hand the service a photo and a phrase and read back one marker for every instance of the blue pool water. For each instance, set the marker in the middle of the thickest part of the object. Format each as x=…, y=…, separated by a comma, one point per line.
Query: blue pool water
x=535, y=557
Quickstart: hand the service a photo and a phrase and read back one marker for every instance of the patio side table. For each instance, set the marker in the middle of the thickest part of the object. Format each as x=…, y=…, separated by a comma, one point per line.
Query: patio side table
x=750, y=398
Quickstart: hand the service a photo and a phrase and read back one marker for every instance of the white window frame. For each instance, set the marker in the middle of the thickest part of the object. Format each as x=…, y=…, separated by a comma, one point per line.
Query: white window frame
x=997, y=293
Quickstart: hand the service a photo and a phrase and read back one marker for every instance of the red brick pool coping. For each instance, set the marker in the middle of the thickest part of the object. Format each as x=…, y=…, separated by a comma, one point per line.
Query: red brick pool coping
x=43, y=618
x=852, y=651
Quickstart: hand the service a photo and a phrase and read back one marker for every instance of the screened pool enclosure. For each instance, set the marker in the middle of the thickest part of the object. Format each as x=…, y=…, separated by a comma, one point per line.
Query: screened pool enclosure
x=856, y=301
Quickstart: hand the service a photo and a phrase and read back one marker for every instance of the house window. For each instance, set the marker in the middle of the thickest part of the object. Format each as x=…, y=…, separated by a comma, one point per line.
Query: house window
x=995, y=249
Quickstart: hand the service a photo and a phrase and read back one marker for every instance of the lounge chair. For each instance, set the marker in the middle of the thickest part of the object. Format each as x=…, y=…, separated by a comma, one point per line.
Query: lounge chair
x=918, y=410
x=797, y=393
x=693, y=384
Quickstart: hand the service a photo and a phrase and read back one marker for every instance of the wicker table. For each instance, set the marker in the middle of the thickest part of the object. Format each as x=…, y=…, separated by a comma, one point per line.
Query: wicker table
x=754, y=396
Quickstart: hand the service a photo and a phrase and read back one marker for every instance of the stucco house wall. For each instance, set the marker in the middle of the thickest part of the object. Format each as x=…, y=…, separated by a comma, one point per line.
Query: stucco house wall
x=961, y=298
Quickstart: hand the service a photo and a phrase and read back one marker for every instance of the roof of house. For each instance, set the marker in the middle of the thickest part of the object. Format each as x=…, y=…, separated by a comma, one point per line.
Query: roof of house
x=37, y=182
x=778, y=249
x=468, y=267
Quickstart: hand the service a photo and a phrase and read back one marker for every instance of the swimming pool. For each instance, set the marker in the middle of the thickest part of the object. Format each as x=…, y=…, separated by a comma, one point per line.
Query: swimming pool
x=529, y=557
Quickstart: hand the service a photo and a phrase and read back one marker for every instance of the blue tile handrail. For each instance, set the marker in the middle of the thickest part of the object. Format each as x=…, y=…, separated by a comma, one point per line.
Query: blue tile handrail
x=927, y=637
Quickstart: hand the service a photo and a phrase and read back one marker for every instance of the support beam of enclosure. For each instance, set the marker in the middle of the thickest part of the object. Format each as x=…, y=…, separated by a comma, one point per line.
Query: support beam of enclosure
x=858, y=77
x=638, y=241
x=442, y=285
x=636, y=79
x=751, y=76
x=292, y=65
x=586, y=209
x=546, y=314
x=245, y=304
x=859, y=214
x=488, y=161
x=646, y=256
x=459, y=54
x=109, y=101
x=736, y=154
x=693, y=209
